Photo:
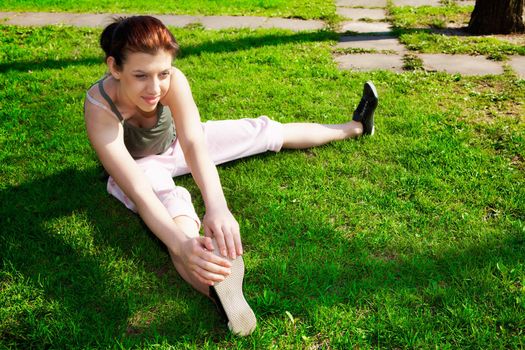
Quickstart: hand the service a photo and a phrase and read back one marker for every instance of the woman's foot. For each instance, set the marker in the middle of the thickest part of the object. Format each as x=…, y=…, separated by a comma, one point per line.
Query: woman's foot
x=364, y=113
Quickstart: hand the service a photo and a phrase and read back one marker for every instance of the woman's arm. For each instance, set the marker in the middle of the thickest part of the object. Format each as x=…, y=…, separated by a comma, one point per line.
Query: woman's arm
x=106, y=136
x=218, y=221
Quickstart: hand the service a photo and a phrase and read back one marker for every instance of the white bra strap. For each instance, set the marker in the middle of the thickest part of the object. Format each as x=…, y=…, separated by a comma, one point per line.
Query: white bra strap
x=100, y=104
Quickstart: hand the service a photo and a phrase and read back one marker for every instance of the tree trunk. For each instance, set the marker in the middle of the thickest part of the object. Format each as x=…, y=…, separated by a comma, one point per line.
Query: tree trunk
x=497, y=17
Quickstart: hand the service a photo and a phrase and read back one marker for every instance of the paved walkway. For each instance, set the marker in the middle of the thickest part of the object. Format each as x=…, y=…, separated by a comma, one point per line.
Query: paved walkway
x=208, y=22
x=365, y=29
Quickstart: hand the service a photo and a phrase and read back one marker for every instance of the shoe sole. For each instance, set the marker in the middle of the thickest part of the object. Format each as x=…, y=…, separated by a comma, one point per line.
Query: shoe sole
x=373, y=88
x=374, y=91
x=241, y=319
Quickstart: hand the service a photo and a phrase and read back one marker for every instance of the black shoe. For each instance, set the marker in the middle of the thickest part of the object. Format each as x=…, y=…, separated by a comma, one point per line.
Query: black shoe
x=364, y=112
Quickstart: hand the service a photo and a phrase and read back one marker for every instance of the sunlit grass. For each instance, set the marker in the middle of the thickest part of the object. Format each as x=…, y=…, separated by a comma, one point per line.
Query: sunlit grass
x=314, y=9
x=412, y=238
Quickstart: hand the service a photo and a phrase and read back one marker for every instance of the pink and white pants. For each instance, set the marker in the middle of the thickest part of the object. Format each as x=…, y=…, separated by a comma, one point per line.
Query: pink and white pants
x=226, y=140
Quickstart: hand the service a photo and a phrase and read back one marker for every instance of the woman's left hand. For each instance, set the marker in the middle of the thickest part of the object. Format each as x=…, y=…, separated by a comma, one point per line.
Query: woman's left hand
x=221, y=225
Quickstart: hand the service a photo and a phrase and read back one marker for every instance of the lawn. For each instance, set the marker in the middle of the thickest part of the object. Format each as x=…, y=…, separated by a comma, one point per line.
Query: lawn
x=313, y=9
x=429, y=29
x=414, y=237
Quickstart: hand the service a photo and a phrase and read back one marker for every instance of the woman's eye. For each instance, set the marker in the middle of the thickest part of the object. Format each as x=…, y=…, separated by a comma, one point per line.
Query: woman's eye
x=164, y=74
x=140, y=76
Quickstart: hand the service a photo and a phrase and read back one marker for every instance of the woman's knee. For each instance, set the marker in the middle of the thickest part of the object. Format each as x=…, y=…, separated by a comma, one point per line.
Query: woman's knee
x=188, y=225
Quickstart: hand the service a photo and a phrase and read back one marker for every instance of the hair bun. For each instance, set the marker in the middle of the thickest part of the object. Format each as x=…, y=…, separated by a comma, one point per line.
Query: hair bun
x=106, y=38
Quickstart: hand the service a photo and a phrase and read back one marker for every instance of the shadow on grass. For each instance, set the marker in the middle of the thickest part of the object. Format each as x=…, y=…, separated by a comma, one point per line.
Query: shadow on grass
x=86, y=302
x=32, y=65
x=460, y=31
x=312, y=266
x=256, y=41
x=215, y=46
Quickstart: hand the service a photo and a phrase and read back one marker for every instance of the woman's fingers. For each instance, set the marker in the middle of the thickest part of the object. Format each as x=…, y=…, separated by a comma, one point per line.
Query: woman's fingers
x=222, y=226
x=209, y=267
x=228, y=239
x=237, y=240
x=230, y=243
x=207, y=243
x=208, y=277
x=208, y=259
x=215, y=231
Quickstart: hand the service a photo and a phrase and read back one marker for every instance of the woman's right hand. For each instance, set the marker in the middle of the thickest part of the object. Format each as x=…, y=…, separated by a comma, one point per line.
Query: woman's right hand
x=200, y=260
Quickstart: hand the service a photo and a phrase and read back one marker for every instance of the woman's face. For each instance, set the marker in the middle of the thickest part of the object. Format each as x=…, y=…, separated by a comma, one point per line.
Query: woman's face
x=144, y=78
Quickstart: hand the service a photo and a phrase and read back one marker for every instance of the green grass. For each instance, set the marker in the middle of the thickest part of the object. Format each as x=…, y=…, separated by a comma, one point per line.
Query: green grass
x=430, y=16
x=413, y=238
x=424, y=29
x=437, y=43
x=314, y=9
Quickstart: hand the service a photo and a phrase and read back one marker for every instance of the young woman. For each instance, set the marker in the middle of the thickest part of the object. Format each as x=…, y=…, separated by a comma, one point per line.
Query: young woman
x=144, y=125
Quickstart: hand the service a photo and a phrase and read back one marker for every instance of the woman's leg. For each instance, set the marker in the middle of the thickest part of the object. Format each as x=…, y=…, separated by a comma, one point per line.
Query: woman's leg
x=191, y=229
x=305, y=135
x=177, y=201
x=229, y=140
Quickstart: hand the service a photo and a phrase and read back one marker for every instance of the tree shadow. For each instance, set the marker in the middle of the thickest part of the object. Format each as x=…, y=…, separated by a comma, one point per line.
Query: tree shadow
x=252, y=41
x=247, y=42
x=447, y=31
x=32, y=65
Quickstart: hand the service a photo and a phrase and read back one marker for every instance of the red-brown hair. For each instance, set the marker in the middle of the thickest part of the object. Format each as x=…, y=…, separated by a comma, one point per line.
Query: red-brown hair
x=136, y=34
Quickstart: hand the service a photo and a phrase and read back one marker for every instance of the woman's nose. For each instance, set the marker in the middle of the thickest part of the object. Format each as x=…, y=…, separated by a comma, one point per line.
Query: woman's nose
x=154, y=86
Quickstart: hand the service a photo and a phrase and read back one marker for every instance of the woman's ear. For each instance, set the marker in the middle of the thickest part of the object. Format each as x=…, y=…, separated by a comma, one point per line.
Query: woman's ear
x=113, y=68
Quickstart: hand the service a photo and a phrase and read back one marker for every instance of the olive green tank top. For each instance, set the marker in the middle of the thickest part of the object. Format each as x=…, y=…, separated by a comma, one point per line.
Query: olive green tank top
x=142, y=142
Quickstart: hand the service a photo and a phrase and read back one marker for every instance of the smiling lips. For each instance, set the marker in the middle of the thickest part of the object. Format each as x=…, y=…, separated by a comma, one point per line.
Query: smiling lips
x=151, y=100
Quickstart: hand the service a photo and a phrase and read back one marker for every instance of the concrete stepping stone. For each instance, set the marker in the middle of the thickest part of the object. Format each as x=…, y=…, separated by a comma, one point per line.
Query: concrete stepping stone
x=371, y=42
x=417, y=3
x=178, y=21
x=366, y=27
x=209, y=22
x=253, y=22
x=465, y=2
x=222, y=22
x=359, y=13
x=38, y=19
x=90, y=20
x=370, y=61
x=361, y=3
x=518, y=65
x=293, y=24
x=460, y=64
x=6, y=15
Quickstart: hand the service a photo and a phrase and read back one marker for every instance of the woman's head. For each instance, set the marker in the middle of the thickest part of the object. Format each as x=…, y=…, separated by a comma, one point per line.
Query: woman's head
x=143, y=34
x=139, y=53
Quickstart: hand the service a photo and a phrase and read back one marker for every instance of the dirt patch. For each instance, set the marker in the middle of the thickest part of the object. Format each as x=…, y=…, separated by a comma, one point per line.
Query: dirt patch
x=488, y=100
x=515, y=39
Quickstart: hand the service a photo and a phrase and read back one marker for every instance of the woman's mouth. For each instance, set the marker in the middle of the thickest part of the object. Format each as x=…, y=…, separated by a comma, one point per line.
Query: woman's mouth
x=151, y=100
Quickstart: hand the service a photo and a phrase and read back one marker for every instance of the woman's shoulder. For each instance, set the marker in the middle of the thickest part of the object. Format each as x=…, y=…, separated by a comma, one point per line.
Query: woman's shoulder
x=178, y=87
x=94, y=89
x=179, y=82
x=96, y=105
x=177, y=76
